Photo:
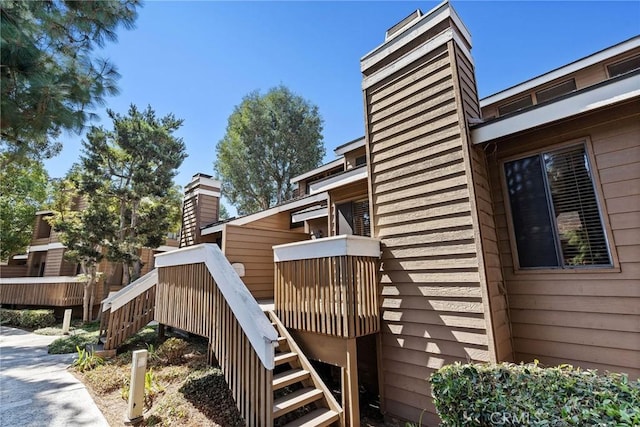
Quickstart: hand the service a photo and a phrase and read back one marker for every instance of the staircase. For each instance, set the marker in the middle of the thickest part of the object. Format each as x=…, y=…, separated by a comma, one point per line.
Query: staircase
x=300, y=399
x=127, y=311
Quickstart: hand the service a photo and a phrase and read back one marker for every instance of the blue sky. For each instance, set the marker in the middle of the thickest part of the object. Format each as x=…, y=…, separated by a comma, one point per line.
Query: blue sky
x=198, y=59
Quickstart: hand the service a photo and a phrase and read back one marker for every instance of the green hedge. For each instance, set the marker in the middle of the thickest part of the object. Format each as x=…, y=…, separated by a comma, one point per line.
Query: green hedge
x=528, y=394
x=28, y=319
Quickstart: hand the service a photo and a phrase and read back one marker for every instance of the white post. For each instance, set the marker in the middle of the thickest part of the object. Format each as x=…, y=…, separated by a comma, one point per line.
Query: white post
x=136, y=390
x=66, y=322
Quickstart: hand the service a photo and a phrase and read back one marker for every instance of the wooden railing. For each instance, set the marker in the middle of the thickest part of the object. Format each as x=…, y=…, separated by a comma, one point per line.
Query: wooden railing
x=200, y=292
x=329, y=286
x=58, y=291
x=128, y=310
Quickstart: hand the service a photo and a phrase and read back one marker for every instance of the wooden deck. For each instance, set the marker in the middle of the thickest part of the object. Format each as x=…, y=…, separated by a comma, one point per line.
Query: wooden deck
x=334, y=295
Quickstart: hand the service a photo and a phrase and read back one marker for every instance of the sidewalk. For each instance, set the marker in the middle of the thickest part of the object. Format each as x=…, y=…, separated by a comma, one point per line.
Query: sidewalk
x=36, y=389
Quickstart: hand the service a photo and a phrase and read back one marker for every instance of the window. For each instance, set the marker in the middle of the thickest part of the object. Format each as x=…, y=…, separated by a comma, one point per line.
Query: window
x=555, y=91
x=556, y=218
x=516, y=105
x=624, y=66
x=353, y=218
x=362, y=160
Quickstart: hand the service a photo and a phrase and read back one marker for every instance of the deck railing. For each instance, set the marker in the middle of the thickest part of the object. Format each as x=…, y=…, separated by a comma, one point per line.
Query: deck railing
x=200, y=292
x=127, y=311
x=329, y=286
x=56, y=291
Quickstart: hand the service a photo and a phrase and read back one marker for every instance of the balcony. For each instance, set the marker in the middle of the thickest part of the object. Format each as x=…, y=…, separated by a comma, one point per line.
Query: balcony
x=328, y=286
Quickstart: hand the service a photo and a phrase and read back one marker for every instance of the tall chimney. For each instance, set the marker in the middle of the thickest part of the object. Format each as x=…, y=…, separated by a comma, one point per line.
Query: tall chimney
x=424, y=184
x=200, y=207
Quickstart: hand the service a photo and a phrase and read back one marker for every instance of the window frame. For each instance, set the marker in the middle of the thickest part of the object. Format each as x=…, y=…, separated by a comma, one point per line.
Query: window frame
x=599, y=195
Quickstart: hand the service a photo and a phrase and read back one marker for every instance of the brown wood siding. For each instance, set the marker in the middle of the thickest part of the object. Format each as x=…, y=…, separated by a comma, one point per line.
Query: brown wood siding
x=279, y=221
x=423, y=211
x=53, y=262
x=148, y=261
x=208, y=206
x=13, y=271
x=253, y=247
x=355, y=191
x=496, y=290
x=588, y=318
x=584, y=78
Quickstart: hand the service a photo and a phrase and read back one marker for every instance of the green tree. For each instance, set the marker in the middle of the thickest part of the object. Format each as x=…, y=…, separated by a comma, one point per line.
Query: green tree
x=223, y=213
x=269, y=139
x=133, y=166
x=23, y=189
x=51, y=79
x=85, y=232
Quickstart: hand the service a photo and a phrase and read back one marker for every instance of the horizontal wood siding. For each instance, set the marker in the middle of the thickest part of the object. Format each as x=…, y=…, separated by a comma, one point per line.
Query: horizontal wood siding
x=148, y=261
x=279, y=221
x=253, y=247
x=53, y=262
x=587, y=318
x=333, y=295
x=495, y=297
x=209, y=315
x=128, y=319
x=45, y=294
x=208, y=206
x=13, y=271
x=432, y=296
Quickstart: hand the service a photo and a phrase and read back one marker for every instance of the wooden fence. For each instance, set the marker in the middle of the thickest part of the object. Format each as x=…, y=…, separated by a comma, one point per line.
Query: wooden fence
x=60, y=291
x=335, y=295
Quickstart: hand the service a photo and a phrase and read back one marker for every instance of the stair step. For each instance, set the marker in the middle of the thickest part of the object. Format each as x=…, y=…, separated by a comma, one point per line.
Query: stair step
x=281, y=340
x=319, y=418
x=295, y=400
x=289, y=377
x=284, y=358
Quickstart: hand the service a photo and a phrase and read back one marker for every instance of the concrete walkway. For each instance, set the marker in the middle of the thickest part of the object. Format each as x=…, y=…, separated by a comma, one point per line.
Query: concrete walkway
x=36, y=389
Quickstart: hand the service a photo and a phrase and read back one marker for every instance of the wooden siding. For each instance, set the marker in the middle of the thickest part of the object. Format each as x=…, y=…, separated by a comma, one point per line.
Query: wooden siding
x=148, y=261
x=13, y=271
x=53, y=262
x=334, y=295
x=210, y=316
x=495, y=297
x=584, y=78
x=434, y=303
x=350, y=192
x=279, y=221
x=127, y=320
x=253, y=247
x=64, y=294
x=587, y=318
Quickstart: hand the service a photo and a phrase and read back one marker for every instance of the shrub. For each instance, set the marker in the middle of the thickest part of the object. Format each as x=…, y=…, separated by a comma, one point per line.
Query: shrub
x=68, y=344
x=28, y=319
x=172, y=350
x=528, y=394
x=87, y=360
x=107, y=378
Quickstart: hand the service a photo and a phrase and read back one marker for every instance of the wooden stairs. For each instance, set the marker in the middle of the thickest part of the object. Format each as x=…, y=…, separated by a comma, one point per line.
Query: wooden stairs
x=301, y=399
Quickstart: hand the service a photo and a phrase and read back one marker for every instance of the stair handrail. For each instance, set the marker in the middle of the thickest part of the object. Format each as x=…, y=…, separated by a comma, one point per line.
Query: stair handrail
x=132, y=290
x=255, y=324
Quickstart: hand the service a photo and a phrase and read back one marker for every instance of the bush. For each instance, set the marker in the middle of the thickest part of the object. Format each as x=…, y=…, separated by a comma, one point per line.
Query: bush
x=28, y=319
x=172, y=350
x=69, y=343
x=528, y=394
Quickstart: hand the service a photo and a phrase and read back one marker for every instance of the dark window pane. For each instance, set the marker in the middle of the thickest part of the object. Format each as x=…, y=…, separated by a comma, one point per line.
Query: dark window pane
x=361, y=222
x=575, y=206
x=529, y=208
x=516, y=105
